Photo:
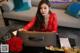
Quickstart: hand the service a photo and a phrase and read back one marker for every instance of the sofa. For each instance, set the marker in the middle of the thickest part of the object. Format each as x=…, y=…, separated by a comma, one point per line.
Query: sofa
x=64, y=19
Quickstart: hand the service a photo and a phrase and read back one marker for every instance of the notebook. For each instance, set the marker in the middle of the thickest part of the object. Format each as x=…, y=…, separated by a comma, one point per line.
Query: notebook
x=64, y=42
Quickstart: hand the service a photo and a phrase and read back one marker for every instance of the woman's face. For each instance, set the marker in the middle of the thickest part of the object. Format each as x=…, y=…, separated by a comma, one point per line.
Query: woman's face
x=44, y=9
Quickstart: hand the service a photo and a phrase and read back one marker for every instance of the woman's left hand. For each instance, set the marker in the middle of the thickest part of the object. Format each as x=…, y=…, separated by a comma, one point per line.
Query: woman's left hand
x=22, y=29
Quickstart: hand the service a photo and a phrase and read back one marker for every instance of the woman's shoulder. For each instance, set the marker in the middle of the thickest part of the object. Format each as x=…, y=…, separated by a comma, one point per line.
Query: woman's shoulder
x=52, y=13
x=34, y=17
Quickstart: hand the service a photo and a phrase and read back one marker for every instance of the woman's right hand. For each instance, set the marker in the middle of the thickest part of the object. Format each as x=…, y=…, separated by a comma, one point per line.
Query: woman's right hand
x=22, y=29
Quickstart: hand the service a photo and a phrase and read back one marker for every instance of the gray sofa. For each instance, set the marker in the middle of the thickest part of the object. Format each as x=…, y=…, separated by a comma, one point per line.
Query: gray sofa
x=64, y=19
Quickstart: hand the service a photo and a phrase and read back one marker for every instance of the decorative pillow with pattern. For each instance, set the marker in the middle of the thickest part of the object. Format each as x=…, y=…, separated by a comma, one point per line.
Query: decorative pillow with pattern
x=74, y=9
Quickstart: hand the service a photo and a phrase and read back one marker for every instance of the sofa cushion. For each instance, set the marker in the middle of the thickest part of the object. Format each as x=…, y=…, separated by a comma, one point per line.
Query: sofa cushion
x=74, y=9
x=66, y=20
x=26, y=15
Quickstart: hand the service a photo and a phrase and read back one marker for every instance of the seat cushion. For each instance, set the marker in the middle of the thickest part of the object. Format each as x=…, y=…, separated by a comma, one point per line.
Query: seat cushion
x=26, y=15
x=66, y=20
x=63, y=18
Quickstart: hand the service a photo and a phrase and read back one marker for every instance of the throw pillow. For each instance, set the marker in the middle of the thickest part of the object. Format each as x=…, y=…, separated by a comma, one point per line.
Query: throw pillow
x=59, y=4
x=29, y=2
x=21, y=5
x=74, y=9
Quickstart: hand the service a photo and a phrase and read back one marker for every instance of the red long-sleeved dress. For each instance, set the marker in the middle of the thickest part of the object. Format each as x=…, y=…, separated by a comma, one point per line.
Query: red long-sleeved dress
x=51, y=27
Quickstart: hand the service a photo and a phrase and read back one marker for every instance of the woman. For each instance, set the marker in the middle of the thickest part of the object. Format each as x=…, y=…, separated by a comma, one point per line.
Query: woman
x=44, y=21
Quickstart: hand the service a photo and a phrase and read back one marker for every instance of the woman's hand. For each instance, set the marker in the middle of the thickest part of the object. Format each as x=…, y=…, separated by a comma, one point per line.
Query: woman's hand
x=69, y=50
x=22, y=29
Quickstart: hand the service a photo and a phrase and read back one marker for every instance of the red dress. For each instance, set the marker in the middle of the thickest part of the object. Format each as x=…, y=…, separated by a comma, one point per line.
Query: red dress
x=52, y=23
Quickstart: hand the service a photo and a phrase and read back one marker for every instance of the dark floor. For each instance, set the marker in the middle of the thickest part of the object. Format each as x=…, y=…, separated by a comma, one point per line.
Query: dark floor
x=38, y=50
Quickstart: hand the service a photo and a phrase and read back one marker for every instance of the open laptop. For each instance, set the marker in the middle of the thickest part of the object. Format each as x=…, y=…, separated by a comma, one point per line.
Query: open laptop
x=38, y=39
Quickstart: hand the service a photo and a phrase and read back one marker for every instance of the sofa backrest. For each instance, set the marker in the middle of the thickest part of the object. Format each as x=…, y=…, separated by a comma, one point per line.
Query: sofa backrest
x=35, y=2
x=60, y=5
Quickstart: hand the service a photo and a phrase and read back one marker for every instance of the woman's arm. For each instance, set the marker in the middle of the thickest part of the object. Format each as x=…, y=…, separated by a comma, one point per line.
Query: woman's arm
x=29, y=25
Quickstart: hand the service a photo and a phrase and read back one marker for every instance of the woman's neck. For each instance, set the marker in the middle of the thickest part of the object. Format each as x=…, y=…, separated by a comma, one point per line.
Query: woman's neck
x=46, y=16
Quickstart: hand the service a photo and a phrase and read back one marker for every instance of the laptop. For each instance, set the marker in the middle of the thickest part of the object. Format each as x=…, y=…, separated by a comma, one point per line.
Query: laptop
x=38, y=39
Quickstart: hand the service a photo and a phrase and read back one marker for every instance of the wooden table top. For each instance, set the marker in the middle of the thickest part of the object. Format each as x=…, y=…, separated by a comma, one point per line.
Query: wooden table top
x=66, y=50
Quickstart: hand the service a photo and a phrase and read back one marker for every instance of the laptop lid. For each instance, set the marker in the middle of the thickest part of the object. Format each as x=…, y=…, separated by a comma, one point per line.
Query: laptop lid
x=40, y=39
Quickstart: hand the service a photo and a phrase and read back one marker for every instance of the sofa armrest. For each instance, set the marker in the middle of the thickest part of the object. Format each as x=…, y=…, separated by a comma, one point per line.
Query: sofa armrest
x=7, y=6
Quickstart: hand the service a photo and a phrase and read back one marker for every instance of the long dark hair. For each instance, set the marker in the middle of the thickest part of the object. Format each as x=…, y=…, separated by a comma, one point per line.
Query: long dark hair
x=39, y=18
